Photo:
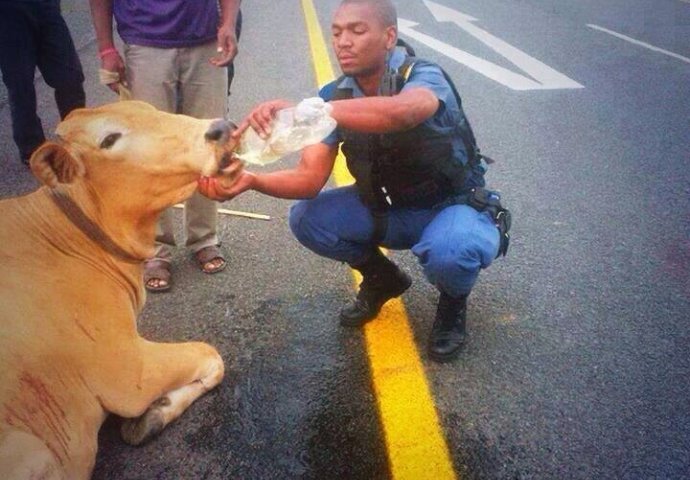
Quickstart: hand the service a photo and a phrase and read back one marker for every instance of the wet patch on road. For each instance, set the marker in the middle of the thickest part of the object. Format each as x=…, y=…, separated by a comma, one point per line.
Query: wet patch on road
x=296, y=404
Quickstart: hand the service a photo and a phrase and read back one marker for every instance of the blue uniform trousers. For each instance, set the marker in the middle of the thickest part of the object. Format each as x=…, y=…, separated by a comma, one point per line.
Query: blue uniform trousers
x=34, y=34
x=452, y=243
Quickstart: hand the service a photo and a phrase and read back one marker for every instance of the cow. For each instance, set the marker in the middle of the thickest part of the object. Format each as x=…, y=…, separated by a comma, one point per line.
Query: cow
x=71, y=287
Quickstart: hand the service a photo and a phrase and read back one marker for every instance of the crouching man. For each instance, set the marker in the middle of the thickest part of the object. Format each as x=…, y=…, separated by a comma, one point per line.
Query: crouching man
x=419, y=176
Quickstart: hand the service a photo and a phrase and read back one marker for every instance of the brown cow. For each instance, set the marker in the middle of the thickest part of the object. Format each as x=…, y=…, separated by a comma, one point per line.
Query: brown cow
x=72, y=286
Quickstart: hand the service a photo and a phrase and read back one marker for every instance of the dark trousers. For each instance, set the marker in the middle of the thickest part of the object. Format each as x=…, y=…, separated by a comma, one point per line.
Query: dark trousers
x=238, y=32
x=34, y=34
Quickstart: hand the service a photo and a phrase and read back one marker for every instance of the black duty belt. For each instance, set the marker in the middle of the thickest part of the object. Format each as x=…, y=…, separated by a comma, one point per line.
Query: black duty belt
x=479, y=198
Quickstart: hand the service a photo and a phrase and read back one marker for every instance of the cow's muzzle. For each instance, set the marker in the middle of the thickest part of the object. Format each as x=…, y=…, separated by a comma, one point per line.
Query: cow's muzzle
x=219, y=134
x=219, y=131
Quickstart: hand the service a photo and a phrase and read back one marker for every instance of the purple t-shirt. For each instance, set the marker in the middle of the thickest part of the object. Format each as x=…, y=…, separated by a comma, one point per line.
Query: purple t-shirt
x=166, y=23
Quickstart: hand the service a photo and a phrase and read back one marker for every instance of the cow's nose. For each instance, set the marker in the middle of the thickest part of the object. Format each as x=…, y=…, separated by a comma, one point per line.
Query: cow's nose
x=219, y=131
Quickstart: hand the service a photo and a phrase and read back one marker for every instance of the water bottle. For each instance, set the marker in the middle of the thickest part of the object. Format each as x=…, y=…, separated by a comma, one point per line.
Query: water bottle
x=292, y=129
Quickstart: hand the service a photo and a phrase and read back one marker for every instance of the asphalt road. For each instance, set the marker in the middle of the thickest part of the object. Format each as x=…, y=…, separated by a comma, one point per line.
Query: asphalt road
x=579, y=354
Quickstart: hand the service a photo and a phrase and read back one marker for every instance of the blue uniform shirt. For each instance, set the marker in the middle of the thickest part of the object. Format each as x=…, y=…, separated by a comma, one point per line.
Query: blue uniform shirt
x=424, y=75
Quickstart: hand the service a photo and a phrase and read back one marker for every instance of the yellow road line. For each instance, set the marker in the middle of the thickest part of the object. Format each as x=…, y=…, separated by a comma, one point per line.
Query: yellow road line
x=415, y=443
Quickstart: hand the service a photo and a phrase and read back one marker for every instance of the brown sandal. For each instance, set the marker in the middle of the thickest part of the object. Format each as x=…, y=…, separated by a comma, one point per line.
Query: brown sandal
x=208, y=259
x=157, y=275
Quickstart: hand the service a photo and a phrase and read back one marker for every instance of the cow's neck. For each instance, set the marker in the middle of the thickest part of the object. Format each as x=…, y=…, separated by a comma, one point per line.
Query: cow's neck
x=106, y=222
x=90, y=228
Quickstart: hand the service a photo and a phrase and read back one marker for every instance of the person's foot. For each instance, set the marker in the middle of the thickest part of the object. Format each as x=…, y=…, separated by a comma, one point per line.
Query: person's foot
x=373, y=293
x=448, y=333
x=157, y=275
x=381, y=281
x=211, y=259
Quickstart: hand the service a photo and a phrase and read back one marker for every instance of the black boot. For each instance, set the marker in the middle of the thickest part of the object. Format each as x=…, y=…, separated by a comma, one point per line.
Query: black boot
x=382, y=280
x=448, y=332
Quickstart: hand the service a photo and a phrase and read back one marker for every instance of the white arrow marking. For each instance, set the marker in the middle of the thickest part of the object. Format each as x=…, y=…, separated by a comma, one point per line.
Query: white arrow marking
x=491, y=70
x=546, y=77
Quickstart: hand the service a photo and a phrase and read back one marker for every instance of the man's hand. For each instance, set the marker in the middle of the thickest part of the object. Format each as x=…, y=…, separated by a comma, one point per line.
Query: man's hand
x=260, y=118
x=222, y=187
x=312, y=110
x=112, y=62
x=227, y=46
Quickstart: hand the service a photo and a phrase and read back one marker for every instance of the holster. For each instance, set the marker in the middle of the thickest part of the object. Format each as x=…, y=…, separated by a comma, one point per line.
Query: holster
x=484, y=200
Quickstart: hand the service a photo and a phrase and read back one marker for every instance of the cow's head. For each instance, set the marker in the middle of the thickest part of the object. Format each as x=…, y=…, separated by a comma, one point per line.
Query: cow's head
x=128, y=147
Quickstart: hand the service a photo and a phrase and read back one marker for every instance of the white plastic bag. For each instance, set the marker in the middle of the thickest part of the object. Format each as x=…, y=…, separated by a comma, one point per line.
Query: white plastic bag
x=294, y=128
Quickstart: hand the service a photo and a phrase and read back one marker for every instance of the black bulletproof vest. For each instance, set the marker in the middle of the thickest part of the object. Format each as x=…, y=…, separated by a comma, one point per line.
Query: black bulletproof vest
x=413, y=168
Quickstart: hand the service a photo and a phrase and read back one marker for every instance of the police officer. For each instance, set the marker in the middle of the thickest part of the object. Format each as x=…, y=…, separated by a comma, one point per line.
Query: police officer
x=411, y=151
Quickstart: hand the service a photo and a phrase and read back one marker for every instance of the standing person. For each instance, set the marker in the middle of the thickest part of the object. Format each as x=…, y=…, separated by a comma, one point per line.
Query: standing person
x=419, y=176
x=176, y=56
x=33, y=34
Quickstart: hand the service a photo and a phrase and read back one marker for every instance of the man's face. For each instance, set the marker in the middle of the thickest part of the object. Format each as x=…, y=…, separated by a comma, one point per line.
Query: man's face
x=360, y=41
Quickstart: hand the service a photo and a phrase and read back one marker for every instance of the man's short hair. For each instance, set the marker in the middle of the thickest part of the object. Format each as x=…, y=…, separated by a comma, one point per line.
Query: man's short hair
x=385, y=10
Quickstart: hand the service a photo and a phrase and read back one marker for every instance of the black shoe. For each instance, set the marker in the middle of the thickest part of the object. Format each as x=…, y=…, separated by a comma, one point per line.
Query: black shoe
x=382, y=280
x=448, y=333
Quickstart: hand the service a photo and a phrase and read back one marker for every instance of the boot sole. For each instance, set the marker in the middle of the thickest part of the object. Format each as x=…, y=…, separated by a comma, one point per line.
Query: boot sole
x=444, y=358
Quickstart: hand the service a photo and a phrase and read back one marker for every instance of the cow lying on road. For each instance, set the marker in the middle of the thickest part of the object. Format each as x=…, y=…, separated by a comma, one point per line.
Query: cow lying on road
x=72, y=286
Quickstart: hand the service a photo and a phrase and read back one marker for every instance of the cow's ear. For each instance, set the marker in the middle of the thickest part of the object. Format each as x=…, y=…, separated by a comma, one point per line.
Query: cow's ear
x=53, y=164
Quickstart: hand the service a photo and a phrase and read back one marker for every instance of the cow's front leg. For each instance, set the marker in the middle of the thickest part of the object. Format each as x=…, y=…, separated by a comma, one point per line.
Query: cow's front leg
x=185, y=372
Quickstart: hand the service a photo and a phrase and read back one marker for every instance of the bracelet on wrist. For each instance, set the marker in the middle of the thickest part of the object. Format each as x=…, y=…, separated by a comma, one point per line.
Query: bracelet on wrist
x=104, y=53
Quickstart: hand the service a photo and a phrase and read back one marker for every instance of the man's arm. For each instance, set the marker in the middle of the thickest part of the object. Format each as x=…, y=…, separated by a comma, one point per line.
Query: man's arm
x=226, y=38
x=367, y=114
x=304, y=181
x=102, y=17
x=386, y=114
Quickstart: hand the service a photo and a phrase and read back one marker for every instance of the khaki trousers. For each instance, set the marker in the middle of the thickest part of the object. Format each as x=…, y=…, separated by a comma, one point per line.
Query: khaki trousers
x=181, y=80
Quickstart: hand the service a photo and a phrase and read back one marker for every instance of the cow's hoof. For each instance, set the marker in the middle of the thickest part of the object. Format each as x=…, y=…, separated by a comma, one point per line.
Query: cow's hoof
x=137, y=431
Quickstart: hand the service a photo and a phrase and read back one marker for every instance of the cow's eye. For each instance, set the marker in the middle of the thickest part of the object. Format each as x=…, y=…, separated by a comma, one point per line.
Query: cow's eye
x=110, y=140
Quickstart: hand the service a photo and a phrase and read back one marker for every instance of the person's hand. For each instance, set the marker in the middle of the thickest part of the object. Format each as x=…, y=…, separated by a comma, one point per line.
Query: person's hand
x=260, y=118
x=227, y=47
x=229, y=183
x=112, y=62
x=310, y=110
x=216, y=188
